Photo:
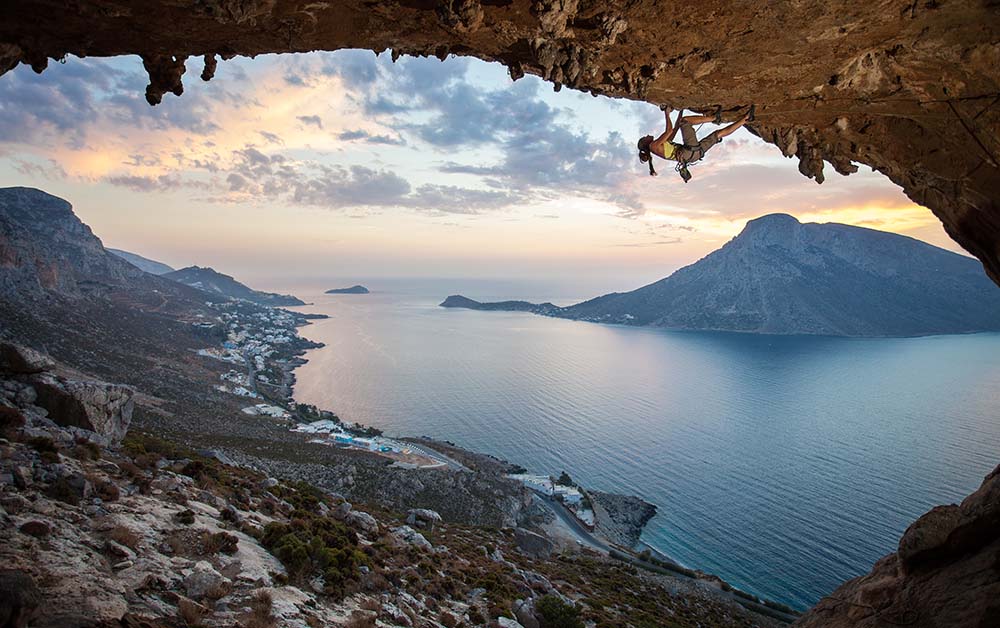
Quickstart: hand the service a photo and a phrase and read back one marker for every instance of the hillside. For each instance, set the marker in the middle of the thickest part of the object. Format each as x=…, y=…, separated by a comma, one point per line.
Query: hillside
x=142, y=263
x=779, y=276
x=214, y=282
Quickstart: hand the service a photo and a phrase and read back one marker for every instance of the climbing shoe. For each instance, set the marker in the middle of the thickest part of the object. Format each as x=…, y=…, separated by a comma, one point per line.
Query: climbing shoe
x=718, y=116
x=752, y=114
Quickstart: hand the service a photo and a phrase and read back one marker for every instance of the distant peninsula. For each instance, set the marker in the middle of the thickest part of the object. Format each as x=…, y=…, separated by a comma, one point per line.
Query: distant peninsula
x=458, y=301
x=357, y=289
x=779, y=276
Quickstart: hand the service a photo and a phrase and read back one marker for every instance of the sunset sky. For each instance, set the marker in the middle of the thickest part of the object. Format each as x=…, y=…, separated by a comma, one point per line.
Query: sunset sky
x=340, y=165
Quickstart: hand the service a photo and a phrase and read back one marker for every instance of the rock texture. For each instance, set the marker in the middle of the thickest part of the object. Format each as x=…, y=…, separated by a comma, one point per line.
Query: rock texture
x=96, y=411
x=908, y=88
x=620, y=518
x=946, y=572
x=779, y=276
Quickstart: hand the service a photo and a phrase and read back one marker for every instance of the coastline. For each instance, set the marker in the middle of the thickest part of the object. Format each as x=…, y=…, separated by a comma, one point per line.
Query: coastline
x=639, y=553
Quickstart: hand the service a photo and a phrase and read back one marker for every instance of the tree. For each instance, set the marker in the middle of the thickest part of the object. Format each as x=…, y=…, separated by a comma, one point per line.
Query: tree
x=565, y=480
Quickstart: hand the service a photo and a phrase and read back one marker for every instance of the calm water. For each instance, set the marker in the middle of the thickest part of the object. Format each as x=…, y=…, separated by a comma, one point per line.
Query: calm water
x=784, y=464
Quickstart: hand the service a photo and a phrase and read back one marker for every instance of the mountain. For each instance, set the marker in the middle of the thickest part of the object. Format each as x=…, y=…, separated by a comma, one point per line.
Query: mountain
x=214, y=282
x=779, y=276
x=356, y=289
x=150, y=266
x=47, y=253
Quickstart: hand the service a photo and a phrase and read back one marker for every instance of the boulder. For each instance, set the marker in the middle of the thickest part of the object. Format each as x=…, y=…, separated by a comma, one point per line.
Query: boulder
x=19, y=597
x=524, y=611
x=96, y=406
x=507, y=622
x=407, y=535
x=423, y=518
x=363, y=521
x=35, y=528
x=532, y=544
x=202, y=580
x=22, y=360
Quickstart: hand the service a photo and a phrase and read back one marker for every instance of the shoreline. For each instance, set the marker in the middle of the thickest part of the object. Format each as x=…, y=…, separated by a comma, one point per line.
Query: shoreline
x=635, y=555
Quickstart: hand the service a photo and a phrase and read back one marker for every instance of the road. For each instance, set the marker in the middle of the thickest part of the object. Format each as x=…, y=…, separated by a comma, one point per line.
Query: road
x=582, y=534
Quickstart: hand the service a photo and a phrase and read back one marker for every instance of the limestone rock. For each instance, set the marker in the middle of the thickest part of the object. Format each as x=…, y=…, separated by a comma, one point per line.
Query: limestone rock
x=423, y=518
x=363, y=521
x=96, y=406
x=532, y=544
x=22, y=360
x=407, y=535
x=202, y=580
x=19, y=597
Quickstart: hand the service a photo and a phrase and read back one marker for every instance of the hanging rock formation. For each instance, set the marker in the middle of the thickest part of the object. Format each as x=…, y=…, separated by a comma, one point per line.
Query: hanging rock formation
x=908, y=87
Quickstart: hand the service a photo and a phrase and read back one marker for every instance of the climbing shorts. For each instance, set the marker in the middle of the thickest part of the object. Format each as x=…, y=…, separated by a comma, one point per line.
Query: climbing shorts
x=693, y=149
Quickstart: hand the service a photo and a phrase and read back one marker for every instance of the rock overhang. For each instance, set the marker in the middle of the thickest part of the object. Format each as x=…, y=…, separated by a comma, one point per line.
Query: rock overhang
x=910, y=89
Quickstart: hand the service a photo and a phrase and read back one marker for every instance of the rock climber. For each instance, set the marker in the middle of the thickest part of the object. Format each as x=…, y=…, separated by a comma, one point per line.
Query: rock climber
x=692, y=149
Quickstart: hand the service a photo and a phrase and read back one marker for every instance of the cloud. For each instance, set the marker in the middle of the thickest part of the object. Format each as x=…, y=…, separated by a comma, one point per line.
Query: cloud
x=145, y=184
x=358, y=134
x=310, y=120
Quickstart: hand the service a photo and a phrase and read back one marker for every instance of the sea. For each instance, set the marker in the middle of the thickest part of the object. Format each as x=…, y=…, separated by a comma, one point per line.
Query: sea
x=783, y=464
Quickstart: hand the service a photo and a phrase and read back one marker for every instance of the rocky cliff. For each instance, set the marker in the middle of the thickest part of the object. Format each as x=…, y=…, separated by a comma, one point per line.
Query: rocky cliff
x=907, y=87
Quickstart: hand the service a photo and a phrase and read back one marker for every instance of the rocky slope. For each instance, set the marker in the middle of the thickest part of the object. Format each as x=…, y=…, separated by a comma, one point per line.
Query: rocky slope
x=142, y=263
x=779, y=276
x=212, y=281
x=908, y=88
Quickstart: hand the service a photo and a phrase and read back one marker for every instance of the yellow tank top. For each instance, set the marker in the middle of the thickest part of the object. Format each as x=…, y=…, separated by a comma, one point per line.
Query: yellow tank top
x=668, y=150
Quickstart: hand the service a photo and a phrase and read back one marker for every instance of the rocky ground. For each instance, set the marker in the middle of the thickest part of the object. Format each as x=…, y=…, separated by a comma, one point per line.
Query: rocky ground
x=620, y=518
x=101, y=530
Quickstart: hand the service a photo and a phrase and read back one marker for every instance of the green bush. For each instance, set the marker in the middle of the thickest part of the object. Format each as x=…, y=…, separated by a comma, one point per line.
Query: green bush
x=316, y=546
x=557, y=614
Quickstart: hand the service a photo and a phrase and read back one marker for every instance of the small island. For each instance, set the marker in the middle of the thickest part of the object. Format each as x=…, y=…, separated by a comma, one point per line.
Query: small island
x=357, y=289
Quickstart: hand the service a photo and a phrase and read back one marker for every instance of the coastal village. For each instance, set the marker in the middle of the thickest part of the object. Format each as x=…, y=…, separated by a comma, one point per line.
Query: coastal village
x=263, y=345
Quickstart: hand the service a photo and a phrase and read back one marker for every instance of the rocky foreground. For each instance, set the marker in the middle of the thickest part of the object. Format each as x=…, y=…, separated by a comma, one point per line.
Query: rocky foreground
x=102, y=527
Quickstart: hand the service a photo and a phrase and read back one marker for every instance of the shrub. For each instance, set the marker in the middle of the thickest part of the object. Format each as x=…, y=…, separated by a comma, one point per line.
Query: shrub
x=261, y=604
x=312, y=545
x=219, y=542
x=87, y=450
x=192, y=613
x=557, y=614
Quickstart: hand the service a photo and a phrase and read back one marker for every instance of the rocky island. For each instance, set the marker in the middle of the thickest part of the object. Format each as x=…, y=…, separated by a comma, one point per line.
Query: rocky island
x=779, y=276
x=355, y=289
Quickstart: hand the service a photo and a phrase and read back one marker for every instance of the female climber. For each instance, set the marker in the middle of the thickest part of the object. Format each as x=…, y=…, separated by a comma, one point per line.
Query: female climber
x=692, y=149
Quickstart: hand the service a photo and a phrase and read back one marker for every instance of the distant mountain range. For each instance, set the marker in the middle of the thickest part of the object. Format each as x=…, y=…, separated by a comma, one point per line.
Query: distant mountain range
x=356, y=289
x=150, y=266
x=212, y=281
x=779, y=276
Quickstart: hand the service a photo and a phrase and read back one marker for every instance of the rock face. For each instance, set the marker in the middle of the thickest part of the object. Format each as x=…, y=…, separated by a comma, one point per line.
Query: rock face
x=907, y=88
x=620, y=518
x=103, y=409
x=96, y=406
x=46, y=250
x=214, y=282
x=945, y=572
